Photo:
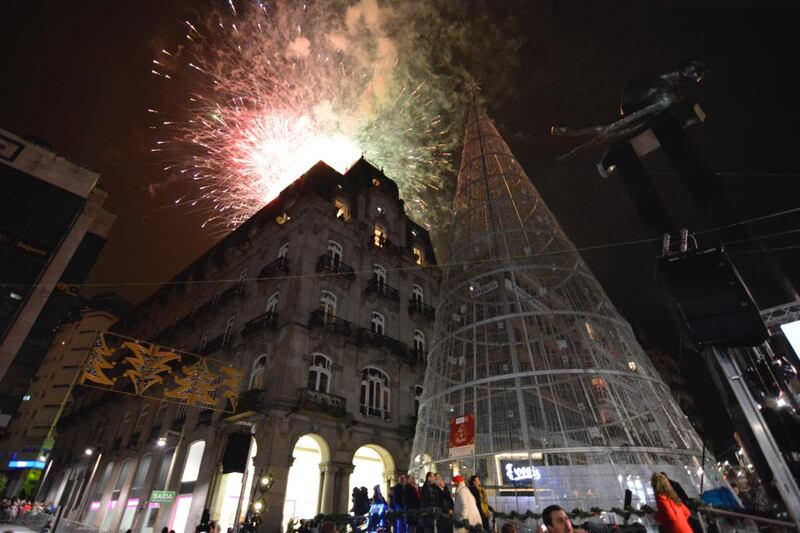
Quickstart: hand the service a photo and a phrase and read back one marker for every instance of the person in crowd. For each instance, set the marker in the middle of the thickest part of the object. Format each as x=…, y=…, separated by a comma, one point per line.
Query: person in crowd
x=411, y=501
x=165, y=529
x=398, y=498
x=446, y=505
x=476, y=488
x=328, y=527
x=430, y=500
x=203, y=526
x=465, y=508
x=508, y=528
x=556, y=520
x=377, y=509
x=672, y=514
x=360, y=501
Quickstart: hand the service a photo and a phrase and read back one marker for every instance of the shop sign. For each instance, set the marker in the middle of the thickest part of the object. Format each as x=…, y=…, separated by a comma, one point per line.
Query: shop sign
x=162, y=496
x=519, y=472
x=462, y=436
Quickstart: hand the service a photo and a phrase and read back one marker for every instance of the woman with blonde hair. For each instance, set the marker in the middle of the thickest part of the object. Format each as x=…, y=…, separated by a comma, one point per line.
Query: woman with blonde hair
x=672, y=514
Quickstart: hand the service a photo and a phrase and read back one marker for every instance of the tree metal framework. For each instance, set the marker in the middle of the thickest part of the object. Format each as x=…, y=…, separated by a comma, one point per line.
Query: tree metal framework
x=567, y=406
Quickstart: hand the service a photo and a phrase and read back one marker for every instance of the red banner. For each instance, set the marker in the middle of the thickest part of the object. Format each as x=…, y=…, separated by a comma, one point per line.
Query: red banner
x=462, y=436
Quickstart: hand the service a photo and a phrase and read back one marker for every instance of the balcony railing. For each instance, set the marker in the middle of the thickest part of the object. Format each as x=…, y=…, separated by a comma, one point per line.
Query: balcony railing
x=279, y=265
x=370, y=338
x=253, y=400
x=230, y=292
x=382, y=289
x=327, y=264
x=320, y=401
x=385, y=243
x=219, y=342
x=375, y=413
x=264, y=320
x=415, y=307
x=330, y=323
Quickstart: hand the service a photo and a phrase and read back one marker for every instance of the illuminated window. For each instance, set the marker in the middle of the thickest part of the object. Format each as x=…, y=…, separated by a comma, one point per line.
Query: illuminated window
x=378, y=323
x=319, y=373
x=599, y=384
x=342, y=209
x=193, y=461
x=419, y=255
x=632, y=365
x=379, y=238
x=258, y=374
x=376, y=182
x=374, y=393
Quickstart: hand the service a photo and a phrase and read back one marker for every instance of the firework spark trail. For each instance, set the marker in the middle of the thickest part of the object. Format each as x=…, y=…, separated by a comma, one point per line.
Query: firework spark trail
x=273, y=88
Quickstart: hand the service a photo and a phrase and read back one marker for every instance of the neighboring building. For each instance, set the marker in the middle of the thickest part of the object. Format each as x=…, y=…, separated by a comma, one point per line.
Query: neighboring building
x=31, y=434
x=327, y=307
x=567, y=407
x=52, y=226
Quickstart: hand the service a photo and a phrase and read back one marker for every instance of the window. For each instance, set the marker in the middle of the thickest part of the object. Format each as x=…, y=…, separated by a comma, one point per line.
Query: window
x=378, y=323
x=141, y=420
x=327, y=303
x=419, y=255
x=193, y=461
x=342, y=209
x=418, y=296
x=417, y=397
x=203, y=341
x=242, y=278
x=374, y=393
x=126, y=423
x=319, y=373
x=335, y=253
x=257, y=377
x=379, y=238
x=419, y=343
x=283, y=251
x=217, y=294
x=272, y=303
x=226, y=337
x=160, y=414
x=379, y=273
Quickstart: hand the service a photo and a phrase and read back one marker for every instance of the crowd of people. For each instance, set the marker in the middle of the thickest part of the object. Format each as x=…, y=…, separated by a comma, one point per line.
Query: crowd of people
x=15, y=509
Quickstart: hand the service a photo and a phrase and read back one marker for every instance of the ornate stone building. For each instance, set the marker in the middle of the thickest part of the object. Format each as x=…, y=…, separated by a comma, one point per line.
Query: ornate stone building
x=323, y=298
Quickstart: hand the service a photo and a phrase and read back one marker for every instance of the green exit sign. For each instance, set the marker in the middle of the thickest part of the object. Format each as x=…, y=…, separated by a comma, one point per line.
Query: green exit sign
x=162, y=496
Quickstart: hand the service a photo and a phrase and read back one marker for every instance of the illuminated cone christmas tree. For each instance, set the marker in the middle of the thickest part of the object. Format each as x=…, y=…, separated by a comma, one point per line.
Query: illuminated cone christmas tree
x=567, y=407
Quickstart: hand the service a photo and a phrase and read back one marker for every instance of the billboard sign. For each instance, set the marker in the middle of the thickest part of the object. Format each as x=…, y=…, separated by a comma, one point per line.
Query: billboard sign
x=462, y=436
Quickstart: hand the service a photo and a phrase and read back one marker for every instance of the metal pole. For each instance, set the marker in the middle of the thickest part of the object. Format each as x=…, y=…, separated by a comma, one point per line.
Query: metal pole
x=244, y=486
x=783, y=479
x=702, y=468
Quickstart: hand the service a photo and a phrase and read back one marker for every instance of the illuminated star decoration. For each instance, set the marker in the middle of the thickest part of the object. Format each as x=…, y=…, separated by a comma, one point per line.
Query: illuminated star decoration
x=197, y=385
x=232, y=384
x=97, y=363
x=148, y=364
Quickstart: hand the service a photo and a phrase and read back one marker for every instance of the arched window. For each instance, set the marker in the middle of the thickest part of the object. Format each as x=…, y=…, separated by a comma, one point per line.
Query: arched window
x=378, y=323
x=417, y=397
x=319, y=373
x=283, y=251
x=418, y=295
x=141, y=420
x=327, y=303
x=379, y=275
x=335, y=254
x=203, y=341
x=419, y=255
x=193, y=461
x=379, y=236
x=419, y=343
x=160, y=414
x=272, y=303
x=228, y=334
x=258, y=374
x=374, y=393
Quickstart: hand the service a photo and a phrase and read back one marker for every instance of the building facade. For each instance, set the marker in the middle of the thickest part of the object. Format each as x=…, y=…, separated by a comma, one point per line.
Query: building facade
x=552, y=399
x=30, y=437
x=325, y=300
x=52, y=227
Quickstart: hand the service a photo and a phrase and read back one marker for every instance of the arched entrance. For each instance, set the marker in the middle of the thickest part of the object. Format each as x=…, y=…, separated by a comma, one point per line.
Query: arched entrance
x=374, y=465
x=303, y=485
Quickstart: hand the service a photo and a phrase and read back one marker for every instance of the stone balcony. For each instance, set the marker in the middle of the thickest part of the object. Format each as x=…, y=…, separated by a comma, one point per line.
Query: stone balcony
x=330, y=323
x=326, y=264
x=276, y=267
x=268, y=320
x=370, y=338
x=415, y=307
x=382, y=289
x=321, y=402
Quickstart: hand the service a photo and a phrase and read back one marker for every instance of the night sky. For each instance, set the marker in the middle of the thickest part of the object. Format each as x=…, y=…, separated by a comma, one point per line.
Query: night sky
x=76, y=76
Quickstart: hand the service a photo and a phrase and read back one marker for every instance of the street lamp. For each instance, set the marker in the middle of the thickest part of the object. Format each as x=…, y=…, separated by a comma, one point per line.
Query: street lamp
x=88, y=451
x=161, y=442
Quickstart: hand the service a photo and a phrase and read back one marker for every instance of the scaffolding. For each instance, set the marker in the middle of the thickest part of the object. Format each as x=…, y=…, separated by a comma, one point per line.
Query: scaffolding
x=568, y=409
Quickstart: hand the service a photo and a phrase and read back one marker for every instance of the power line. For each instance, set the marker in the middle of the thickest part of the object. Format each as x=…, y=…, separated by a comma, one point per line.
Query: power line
x=620, y=244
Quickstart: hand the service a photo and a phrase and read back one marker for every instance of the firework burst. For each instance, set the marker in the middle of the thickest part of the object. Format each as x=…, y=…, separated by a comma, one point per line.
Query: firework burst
x=270, y=89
